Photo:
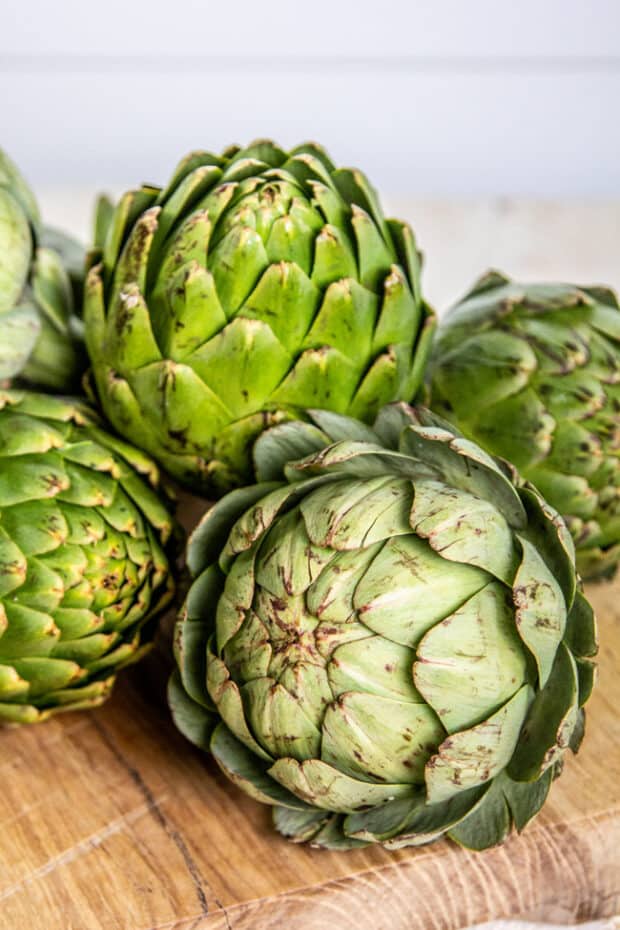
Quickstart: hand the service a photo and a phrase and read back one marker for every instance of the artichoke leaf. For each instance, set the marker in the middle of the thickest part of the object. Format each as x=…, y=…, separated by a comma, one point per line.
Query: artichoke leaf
x=237, y=262
x=412, y=821
x=386, y=378
x=379, y=739
x=249, y=652
x=291, y=237
x=357, y=514
x=44, y=674
x=34, y=527
x=21, y=328
x=255, y=521
x=13, y=569
x=488, y=824
x=373, y=665
x=551, y=719
x=322, y=377
x=409, y=256
x=191, y=636
x=178, y=202
x=403, y=592
x=247, y=772
x=279, y=720
x=282, y=444
x=473, y=661
x=129, y=208
x=338, y=427
x=131, y=267
x=521, y=426
x=464, y=465
x=580, y=635
x=463, y=528
x=345, y=320
x=548, y=532
x=399, y=315
x=334, y=257
x=525, y=799
x=226, y=696
x=12, y=685
x=330, y=597
x=475, y=756
x=244, y=363
x=193, y=314
x=374, y=256
x=51, y=287
x=540, y=609
x=332, y=836
x=194, y=720
x=289, y=561
x=355, y=188
x=323, y=786
x=15, y=250
x=302, y=826
x=495, y=366
x=285, y=300
x=209, y=535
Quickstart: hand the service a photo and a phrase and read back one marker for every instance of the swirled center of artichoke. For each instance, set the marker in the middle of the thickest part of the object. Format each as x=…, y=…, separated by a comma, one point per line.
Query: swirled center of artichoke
x=363, y=645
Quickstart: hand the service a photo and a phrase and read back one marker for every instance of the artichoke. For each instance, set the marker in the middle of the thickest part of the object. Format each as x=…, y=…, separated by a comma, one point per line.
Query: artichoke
x=41, y=272
x=532, y=373
x=258, y=283
x=83, y=562
x=385, y=638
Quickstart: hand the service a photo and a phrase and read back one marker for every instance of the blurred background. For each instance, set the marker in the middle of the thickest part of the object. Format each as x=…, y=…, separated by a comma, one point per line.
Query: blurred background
x=441, y=102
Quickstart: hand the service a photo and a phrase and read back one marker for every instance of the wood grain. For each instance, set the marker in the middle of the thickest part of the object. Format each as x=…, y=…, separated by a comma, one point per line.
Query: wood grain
x=111, y=821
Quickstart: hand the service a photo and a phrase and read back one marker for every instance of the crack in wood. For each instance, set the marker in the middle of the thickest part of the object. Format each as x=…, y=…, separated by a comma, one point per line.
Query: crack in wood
x=192, y=868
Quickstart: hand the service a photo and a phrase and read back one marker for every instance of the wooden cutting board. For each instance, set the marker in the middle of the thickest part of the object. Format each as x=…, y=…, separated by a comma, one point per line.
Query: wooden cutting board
x=111, y=821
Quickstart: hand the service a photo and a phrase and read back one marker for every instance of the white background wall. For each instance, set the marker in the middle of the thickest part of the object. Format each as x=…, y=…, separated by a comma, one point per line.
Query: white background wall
x=431, y=97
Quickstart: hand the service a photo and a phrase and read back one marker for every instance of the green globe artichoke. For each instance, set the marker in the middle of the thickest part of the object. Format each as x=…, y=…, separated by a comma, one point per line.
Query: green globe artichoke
x=532, y=373
x=258, y=283
x=83, y=561
x=41, y=273
x=385, y=638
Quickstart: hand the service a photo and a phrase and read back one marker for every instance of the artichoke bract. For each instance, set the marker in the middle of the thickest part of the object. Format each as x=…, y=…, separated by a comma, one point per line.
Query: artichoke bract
x=385, y=638
x=532, y=373
x=258, y=283
x=41, y=275
x=83, y=556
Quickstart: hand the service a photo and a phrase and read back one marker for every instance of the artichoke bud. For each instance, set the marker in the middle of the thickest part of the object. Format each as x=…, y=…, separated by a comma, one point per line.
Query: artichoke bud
x=396, y=644
x=41, y=287
x=85, y=550
x=269, y=282
x=531, y=372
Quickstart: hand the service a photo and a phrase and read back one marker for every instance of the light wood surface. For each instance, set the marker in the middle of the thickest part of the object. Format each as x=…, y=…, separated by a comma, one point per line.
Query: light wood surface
x=111, y=821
